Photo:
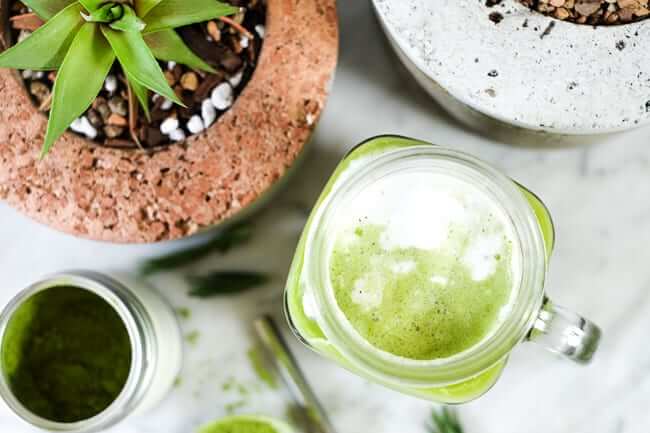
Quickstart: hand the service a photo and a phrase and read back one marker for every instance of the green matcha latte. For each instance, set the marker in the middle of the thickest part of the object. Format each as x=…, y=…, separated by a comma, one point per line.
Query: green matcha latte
x=423, y=264
x=411, y=260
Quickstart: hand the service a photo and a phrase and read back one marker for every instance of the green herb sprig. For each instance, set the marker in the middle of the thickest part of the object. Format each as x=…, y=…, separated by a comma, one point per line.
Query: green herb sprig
x=81, y=39
x=445, y=420
x=224, y=283
x=216, y=283
x=221, y=243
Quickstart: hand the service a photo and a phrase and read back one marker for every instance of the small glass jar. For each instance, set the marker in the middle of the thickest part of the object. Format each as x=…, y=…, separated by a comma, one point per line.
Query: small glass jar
x=155, y=340
x=316, y=319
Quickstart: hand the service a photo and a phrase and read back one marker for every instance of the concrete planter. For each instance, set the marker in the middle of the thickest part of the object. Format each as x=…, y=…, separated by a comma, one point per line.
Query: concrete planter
x=128, y=196
x=529, y=70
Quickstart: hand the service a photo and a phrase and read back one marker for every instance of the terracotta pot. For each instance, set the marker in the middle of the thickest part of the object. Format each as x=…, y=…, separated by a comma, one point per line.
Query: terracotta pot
x=127, y=196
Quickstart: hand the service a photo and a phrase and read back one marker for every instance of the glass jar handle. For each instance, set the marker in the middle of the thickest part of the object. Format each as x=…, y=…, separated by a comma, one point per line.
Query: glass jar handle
x=566, y=333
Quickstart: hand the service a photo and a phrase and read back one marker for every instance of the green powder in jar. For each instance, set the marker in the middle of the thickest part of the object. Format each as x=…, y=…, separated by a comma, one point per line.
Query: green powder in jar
x=66, y=354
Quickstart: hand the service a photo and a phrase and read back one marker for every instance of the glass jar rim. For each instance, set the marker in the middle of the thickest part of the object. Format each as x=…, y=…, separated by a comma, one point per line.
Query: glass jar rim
x=137, y=324
x=474, y=360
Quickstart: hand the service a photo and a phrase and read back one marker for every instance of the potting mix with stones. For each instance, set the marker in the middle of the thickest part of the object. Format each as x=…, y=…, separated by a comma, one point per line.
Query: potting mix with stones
x=592, y=12
x=230, y=45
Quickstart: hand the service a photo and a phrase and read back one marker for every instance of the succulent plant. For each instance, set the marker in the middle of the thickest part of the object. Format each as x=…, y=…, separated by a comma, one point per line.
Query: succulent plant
x=81, y=40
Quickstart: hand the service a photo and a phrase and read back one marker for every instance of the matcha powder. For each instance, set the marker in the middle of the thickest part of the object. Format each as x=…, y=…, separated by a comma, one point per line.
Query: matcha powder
x=66, y=354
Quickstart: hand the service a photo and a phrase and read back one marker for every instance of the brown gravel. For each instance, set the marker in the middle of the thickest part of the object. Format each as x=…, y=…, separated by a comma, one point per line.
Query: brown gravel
x=231, y=46
x=593, y=12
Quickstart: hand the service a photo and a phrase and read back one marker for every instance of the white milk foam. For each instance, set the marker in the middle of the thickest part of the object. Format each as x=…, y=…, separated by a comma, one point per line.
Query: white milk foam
x=426, y=209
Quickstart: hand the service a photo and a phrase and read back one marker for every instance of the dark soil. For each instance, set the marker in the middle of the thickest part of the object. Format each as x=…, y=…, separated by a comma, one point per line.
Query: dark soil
x=591, y=12
x=116, y=120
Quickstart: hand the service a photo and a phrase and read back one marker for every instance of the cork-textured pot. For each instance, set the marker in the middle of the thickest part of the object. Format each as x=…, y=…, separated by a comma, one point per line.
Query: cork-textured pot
x=131, y=197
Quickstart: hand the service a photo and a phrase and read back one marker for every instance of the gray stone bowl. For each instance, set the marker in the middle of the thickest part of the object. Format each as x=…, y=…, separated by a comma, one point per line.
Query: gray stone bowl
x=529, y=70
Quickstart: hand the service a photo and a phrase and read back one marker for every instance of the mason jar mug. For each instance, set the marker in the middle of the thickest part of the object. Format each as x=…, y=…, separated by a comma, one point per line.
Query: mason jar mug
x=421, y=268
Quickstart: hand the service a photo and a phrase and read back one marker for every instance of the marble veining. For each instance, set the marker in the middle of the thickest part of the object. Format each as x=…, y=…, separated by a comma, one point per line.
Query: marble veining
x=597, y=192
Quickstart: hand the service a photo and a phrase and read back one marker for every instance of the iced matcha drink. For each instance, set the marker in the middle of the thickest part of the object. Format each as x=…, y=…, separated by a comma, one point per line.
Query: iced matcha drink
x=412, y=264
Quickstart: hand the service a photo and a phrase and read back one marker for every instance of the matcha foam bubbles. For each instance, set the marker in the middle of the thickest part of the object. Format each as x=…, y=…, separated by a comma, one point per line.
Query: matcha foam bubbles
x=423, y=263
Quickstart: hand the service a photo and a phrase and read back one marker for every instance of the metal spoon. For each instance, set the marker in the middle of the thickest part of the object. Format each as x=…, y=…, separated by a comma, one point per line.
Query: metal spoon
x=311, y=411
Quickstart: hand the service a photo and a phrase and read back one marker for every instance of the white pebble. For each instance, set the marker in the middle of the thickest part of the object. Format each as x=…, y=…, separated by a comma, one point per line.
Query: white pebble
x=195, y=124
x=110, y=85
x=243, y=41
x=24, y=34
x=222, y=96
x=27, y=73
x=177, y=135
x=208, y=113
x=155, y=97
x=261, y=30
x=82, y=126
x=171, y=65
x=166, y=105
x=38, y=75
x=169, y=125
x=235, y=80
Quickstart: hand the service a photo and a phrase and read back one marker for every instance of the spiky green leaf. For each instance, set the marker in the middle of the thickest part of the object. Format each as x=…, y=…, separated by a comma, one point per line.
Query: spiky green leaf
x=46, y=48
x=105, y=14
x=170, y=14
x=129, y=22
x=90, y=57
x=143, y=7
x=138, y=61
x=46, y=9
x=168, y=46
x=93, y=5
x=445, y=420
x=141, y=93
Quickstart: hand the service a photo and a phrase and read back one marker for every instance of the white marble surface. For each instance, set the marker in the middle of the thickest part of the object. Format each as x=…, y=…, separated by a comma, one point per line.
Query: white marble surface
x=599, y=194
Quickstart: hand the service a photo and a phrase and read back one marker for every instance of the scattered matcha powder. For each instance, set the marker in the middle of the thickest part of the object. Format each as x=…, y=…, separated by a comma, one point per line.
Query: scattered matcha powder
x=231, y=408
x=184, y=313
x=228, y=384
x=193, y=337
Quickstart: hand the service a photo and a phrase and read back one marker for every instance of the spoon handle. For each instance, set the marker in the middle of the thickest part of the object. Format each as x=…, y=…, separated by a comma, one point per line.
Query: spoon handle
x=315, y=418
